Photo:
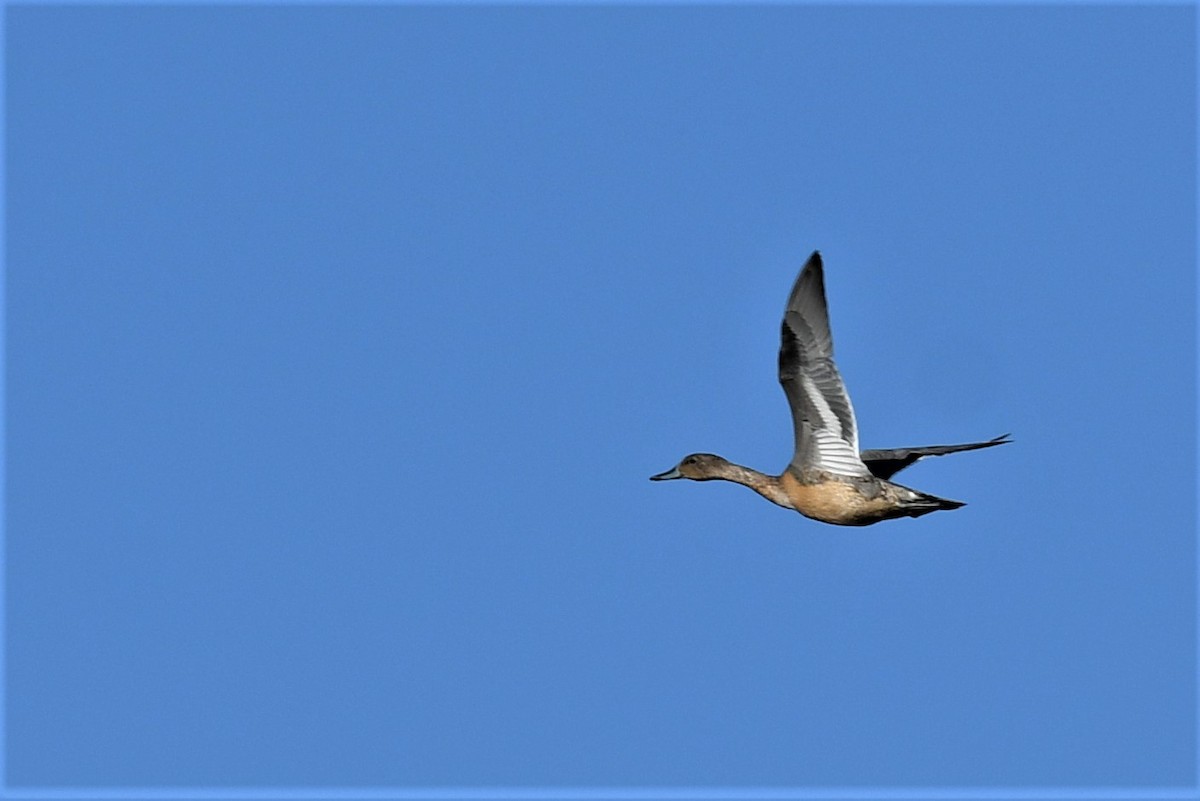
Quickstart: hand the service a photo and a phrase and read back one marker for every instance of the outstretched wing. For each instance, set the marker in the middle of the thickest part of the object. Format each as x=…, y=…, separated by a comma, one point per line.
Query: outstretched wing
x=886, y=463
x=826, y=433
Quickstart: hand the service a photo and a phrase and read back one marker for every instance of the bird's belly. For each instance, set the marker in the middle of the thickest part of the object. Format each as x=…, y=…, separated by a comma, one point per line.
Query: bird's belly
x=838, y=502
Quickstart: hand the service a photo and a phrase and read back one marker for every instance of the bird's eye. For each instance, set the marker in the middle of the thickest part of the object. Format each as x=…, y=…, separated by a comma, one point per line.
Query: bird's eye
x=690, y=460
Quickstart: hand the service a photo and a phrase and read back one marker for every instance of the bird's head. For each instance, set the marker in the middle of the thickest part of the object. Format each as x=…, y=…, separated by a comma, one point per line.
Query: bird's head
x=697, y=467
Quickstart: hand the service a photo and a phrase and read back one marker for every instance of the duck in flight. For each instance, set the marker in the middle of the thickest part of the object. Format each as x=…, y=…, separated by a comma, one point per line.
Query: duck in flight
x=828, y=478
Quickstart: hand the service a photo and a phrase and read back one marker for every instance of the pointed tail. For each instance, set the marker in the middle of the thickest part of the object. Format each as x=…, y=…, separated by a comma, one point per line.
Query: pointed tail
x=915, y=503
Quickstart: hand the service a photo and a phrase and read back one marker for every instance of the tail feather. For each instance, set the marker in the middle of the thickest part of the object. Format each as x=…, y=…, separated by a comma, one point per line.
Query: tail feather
x=915, y=503
x=931, y=503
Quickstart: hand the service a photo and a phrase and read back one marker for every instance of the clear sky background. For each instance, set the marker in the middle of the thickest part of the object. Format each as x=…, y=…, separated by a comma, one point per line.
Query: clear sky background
x=341, y=343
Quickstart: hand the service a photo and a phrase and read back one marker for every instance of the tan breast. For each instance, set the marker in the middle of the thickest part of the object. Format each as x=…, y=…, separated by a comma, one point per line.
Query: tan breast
x=833, y=501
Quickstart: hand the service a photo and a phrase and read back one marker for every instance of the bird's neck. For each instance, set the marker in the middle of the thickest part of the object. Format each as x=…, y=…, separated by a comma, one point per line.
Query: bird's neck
x=766, y=486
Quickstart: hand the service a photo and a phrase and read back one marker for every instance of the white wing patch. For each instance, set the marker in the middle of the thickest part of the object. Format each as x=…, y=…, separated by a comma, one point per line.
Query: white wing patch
x=836, y=449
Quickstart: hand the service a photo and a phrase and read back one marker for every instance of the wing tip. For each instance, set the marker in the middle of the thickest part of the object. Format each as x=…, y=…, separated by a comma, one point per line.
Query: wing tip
x=810, y=282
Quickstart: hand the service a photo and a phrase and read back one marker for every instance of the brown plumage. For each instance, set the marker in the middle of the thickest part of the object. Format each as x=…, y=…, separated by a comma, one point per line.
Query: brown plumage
x=828, y=479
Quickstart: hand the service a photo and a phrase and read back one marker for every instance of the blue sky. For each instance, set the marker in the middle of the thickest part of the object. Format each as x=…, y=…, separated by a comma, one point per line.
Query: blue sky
x=341, y=342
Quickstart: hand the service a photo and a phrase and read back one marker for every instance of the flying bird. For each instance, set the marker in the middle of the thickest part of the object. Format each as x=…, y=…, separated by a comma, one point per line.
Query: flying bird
x=828, y=479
